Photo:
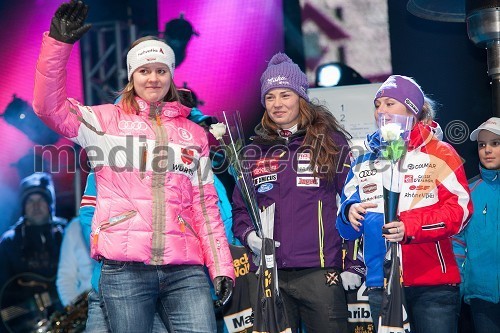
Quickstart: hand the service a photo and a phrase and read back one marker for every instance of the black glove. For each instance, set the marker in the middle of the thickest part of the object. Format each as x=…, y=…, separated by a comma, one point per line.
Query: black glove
x=223, y=289
x=67, y=24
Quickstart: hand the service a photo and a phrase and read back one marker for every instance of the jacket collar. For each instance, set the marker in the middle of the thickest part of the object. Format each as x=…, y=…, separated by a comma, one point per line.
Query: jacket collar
x=420, y=135
x=265, y=138
x=490, y=176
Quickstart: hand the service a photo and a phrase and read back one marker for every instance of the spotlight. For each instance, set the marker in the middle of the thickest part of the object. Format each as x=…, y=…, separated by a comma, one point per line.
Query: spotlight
x=21, y=115
x=337, y=74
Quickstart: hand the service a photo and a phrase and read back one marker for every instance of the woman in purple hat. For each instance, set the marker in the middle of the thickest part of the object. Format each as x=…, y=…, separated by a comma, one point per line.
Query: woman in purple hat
x=299, y=161
x=434, y=204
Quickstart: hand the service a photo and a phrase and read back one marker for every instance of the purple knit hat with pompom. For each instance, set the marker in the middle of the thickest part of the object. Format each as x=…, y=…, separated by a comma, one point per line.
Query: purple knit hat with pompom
x=282, y=72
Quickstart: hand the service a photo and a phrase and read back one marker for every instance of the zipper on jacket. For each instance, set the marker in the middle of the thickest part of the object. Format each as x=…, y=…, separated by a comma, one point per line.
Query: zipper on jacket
x=321, y=234
x=111, y=222
x=440, y=257
x=183, y=224
x=434, y=226
x=485, y=211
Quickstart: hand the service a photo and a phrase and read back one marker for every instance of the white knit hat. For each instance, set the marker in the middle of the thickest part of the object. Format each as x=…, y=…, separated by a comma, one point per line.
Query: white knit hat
x=148, y=52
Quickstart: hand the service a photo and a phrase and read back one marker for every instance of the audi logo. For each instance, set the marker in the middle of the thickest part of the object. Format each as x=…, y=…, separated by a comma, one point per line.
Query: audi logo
x=132, y=125
x=366, y=173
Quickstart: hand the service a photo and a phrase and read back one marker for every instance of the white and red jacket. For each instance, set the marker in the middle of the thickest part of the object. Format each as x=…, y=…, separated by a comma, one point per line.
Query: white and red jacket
x=434, y=204
x=157, y=203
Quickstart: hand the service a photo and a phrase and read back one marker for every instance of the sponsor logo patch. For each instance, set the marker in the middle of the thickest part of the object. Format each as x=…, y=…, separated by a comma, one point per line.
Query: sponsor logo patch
x=184, y=134
x=265, y=179
x=303, y=156
x=420, y=195
x=304, y=169
x=307, y=181
x=149, y=51
x=369, y=188
x=142, y=105
x=419, y=187
x=367, y=173
x=128, y=125
x=265, y=166
x=332, y=279
x=265, y=187
x=412, y=166
x=182, y=169
x=375, y=197
x=187, y=156
x=411, y=105
x=408, y=178
x=281, y=80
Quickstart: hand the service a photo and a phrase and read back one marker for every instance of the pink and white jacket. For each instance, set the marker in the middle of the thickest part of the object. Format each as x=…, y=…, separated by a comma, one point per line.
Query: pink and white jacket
x=157, y=203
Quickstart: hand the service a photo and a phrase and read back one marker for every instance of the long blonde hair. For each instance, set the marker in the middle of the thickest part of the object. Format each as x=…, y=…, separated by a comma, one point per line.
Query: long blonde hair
x=128, y=93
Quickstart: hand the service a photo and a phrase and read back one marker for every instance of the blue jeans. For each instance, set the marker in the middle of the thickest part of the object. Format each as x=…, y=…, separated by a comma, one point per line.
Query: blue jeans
x=96, y=323
x=375, y=296
x=430, y=308
x=486, y=315
x=132, y=292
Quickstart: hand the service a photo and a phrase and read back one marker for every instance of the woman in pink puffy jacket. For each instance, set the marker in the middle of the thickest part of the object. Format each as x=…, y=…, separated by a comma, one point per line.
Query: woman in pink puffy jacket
x=156, y=221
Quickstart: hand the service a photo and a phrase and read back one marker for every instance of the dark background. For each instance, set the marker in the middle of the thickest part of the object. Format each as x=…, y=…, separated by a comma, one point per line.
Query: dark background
x=448, y=66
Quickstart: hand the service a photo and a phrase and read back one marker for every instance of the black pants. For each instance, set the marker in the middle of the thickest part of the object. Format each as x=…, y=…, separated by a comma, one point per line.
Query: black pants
x=313, y=297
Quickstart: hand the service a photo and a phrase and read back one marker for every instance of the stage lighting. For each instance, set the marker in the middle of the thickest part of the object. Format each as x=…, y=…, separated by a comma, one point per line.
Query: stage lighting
x=177, y=34
x=337, y=74
x=21, y=115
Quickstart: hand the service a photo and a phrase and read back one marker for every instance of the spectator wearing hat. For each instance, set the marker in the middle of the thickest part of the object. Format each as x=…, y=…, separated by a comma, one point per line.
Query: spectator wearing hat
x=30, y=248
x=298, y=160
x=434, y=204
x=477, y=247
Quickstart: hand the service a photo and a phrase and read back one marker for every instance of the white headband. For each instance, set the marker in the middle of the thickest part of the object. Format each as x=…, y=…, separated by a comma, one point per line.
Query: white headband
x=148, y=52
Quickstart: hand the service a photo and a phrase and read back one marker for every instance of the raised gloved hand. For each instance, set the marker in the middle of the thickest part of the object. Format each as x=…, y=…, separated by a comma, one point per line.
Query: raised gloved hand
x=67, y=24
x=350, y=281
x=255, y=243
x=223, y=286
